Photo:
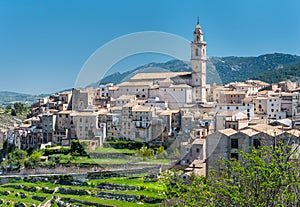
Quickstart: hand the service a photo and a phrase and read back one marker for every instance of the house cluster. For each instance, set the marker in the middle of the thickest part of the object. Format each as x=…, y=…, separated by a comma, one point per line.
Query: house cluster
x=245, y=115
x=208, y=122
x=58, y=118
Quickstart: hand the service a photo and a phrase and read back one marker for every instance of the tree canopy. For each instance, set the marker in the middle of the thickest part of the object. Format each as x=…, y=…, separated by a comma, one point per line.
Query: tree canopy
x=265, y=177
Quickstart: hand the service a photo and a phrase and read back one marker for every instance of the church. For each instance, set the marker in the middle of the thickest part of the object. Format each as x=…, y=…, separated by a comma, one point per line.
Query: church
x=175, y=88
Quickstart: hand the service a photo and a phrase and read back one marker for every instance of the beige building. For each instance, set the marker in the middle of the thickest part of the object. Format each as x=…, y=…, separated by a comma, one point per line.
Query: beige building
x=192, y=151
x=47, y=124
x=233, y=97
x=218, y=93
x=227, y=143
x=88, y=127
x=247, y=87
x=231, y=119
x=63, y=132
x=82, y=99
x=289, y=103
x=175, y=88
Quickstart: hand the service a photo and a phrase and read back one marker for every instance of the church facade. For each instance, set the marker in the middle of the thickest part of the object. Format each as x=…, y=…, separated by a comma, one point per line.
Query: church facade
x=174, y=88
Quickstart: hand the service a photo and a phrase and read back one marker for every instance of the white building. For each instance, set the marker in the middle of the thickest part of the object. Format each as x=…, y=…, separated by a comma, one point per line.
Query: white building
x=268, y=107
x=246, y=108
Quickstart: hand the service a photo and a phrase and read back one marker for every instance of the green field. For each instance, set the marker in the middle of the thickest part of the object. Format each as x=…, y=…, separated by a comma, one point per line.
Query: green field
x=18, y=193
x=138, y=189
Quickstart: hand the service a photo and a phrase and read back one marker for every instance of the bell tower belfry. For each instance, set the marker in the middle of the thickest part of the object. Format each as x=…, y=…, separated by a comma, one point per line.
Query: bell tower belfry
x=198, y=61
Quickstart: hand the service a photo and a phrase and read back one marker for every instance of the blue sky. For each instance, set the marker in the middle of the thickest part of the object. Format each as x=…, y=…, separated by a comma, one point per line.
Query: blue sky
x=44, y=44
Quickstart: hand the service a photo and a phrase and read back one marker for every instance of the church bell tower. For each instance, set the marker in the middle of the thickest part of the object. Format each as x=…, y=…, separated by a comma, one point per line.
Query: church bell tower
x=198, y=61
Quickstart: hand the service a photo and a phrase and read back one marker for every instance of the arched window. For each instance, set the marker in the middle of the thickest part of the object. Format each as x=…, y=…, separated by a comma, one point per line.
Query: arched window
x=197, y=38
x=203, y=52
x=197, y=53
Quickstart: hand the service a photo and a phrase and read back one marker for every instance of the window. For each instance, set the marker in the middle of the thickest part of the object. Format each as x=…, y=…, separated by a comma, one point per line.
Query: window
x=234, y=143
x=256, y=143
x=197, y=52
x=234, y=156
x=197, y=150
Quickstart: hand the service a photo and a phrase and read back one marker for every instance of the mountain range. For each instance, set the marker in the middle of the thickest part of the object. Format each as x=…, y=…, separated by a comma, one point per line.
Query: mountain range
x=220, y=70
x=8, y=98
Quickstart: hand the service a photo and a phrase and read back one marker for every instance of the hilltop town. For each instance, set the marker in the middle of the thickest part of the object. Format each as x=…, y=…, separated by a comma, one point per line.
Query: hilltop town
x=204, y=122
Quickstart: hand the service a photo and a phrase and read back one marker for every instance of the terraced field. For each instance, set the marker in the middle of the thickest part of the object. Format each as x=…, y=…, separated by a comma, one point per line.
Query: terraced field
x=104, y=189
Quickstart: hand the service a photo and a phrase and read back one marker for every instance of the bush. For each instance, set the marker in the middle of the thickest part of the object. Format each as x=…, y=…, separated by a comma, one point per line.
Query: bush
x=77, y=148
x=132, y=145
x=145, y=152
x=56, y=157
x=63, y=150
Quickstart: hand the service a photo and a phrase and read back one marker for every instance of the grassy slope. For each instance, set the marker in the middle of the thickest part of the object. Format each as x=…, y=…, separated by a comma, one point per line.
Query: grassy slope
x=151, y=189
